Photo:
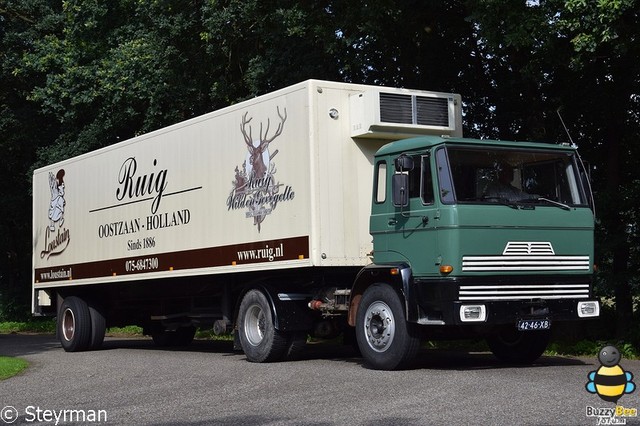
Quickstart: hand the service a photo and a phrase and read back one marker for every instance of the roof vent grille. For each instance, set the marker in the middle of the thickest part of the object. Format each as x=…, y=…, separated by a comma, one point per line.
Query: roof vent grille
x=392, y=115
x=412, y=109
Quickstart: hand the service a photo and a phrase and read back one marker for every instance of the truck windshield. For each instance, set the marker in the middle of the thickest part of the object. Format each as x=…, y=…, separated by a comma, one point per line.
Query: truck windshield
x=515, y=177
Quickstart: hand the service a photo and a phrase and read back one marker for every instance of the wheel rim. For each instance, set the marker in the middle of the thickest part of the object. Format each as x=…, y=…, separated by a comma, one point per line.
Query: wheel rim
x=254, y=325
x=68, y=324
x=379, y=326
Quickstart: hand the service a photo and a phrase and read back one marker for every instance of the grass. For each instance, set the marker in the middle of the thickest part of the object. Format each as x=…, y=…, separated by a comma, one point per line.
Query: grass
x=128, y=331
x=36, y=325
x=591, y=349
x=9, y=366
x=48, y=326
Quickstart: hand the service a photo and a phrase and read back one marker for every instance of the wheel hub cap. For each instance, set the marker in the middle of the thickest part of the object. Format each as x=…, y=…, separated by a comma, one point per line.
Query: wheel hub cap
x=254, y=325
x=379, y=326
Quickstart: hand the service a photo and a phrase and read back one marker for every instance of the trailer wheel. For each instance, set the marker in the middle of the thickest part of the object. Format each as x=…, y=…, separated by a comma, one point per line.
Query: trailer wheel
x=518, y=347
x=260, y=340
x=98, y=327
x=386, y=340
x=74, y=324
x=182, y=336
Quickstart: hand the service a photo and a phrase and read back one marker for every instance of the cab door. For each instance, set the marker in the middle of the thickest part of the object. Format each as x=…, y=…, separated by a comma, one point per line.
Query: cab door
x=410, y=233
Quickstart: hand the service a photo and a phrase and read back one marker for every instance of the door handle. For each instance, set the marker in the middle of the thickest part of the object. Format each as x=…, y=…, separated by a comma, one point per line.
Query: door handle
x=393, y=222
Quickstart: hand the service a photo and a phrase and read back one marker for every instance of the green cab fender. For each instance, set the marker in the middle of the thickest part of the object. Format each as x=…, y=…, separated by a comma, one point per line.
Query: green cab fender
x=396, y=275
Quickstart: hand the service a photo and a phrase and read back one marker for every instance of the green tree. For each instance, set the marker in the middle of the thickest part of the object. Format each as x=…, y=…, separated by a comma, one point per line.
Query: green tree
x=23, y=129
x=117, y=69
x=605, y=40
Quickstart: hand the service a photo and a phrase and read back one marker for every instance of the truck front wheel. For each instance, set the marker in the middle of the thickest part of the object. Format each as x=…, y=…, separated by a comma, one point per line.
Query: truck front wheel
x=260, y=340
x=386, y=340
x=518, y=347
x=74, y=324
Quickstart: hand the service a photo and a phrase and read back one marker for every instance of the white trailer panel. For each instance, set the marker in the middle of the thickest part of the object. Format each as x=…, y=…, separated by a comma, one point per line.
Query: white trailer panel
x=272, y=182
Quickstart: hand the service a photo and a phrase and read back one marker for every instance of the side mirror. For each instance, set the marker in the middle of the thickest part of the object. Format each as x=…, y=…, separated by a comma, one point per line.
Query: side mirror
x=400, y=189
x=403, y=163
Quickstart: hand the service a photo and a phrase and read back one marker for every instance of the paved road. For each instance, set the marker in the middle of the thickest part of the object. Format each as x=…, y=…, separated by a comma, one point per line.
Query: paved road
x=209, y=384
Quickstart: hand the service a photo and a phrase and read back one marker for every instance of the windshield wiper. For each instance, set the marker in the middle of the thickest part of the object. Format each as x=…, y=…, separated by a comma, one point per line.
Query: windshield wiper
x=555, y=203
x=503, y=201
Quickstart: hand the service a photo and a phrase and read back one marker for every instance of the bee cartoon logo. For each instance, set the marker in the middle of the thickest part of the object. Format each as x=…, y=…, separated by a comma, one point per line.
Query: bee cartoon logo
x=610, y=381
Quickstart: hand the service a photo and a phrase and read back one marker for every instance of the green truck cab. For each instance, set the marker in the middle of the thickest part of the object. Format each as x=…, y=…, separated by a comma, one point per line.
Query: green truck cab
x=483, y=237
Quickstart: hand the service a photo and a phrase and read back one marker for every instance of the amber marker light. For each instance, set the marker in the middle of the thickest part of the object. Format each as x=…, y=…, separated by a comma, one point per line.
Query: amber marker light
x=446, y=269
x=394, y=271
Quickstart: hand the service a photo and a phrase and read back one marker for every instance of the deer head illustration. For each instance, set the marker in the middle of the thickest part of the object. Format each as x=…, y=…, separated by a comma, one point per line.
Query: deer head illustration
x=259, y=157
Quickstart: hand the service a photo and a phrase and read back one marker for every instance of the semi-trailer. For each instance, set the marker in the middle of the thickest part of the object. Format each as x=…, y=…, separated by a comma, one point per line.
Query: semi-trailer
x=318, y=209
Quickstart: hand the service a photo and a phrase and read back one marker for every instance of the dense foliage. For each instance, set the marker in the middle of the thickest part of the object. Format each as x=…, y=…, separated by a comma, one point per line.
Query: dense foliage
x=80, y=74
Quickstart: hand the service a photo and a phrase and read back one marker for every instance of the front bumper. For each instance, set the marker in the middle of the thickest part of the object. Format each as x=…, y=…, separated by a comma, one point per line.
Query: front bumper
x=502, y=299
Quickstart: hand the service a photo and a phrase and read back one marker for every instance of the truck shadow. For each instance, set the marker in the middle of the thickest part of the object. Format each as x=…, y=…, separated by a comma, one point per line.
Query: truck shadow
x=15, y=344
x=433, y=359
x=427, y=359
x=466, y=361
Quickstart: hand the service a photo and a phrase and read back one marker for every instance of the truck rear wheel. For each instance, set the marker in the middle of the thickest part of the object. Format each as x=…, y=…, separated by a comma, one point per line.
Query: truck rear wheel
x=98, y=327
x=518, y=347
x=386, y=340
x=260, y=340
x=74, y=324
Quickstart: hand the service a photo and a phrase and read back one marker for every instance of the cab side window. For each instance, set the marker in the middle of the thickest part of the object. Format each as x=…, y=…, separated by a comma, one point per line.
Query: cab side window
x=414, y=177
x=420, y=180
x=381, y=182
x=427, y=181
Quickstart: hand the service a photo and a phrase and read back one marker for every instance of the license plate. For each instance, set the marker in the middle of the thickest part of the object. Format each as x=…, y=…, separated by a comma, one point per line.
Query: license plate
x=532, y=325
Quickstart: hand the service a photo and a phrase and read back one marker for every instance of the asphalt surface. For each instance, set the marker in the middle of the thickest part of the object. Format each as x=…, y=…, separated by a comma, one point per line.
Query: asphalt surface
x=134, y=383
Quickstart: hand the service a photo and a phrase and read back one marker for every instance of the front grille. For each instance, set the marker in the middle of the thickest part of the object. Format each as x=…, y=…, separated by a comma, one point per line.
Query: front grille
x=520, y=292
x=528, y=248
x=524, y=263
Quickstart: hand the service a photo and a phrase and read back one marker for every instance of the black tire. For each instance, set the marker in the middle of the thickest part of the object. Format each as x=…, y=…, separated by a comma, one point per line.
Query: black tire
x=98, y=327
x=74, y=324
x=182, y=336
x=518, y=347
x=296, y=342
x=260, y=340
x=386, y=340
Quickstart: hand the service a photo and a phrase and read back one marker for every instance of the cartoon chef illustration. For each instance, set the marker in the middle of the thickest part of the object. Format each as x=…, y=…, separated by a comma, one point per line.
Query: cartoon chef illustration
x=56, y=208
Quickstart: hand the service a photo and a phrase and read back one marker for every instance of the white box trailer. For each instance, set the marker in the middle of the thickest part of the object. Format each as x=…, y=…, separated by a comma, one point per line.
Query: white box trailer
x=317, y=209
x=274, y=182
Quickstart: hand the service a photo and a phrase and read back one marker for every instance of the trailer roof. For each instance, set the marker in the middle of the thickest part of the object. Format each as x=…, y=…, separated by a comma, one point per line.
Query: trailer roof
x=422, y=142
